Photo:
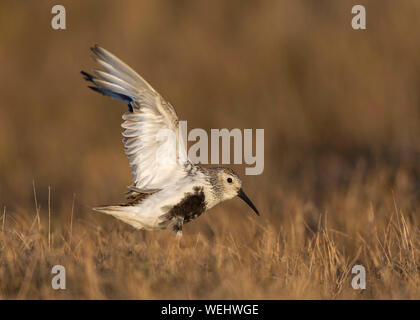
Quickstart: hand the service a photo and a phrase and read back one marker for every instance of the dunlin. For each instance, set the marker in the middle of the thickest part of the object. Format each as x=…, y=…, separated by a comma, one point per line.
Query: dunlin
x=163, y=195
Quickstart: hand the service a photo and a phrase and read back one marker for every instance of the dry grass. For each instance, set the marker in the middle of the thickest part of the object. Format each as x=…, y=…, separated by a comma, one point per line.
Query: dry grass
x=341, y=115
x=292, y=256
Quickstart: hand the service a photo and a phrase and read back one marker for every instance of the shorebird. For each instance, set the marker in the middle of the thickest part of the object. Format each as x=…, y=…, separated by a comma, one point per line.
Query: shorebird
x=163, y=195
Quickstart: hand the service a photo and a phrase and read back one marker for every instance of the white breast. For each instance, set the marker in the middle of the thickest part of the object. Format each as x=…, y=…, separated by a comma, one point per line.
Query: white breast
x=146, y=215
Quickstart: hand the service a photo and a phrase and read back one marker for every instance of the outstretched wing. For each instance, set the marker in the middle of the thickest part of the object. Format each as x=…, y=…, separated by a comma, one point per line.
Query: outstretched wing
x=150, y=127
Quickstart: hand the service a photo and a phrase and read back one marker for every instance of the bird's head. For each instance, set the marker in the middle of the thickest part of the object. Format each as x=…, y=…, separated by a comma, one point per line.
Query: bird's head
x=230, y=186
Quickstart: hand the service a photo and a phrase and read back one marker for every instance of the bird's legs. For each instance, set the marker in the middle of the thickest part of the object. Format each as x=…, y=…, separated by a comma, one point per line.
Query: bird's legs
x=177, y=226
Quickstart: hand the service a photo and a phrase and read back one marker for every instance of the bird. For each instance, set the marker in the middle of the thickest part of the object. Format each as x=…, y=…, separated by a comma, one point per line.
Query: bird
x=163, y=195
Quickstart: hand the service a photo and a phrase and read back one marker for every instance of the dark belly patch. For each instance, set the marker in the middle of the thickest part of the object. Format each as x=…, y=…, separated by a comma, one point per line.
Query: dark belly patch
x=189, y=208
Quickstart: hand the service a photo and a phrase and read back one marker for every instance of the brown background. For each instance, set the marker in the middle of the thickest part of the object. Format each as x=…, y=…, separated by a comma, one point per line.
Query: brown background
x=340, y=109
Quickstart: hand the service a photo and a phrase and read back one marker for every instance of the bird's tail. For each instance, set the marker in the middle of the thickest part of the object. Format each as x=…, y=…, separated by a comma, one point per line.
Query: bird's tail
x=128, y=215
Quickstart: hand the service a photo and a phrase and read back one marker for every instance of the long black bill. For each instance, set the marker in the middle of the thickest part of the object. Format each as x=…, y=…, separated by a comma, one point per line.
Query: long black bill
x=242, y=195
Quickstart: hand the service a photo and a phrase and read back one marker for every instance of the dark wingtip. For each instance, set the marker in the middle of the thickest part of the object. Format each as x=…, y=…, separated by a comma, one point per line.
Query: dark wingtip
x=87, y=76
x=97, y=90
x=114, y=95
x=95, y=48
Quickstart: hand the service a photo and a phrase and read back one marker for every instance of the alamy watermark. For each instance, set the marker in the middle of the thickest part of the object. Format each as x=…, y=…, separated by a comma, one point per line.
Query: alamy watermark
x=359, y=20
x=59, y=280
x=169, y=152
x=359, y=280
x=58, y=22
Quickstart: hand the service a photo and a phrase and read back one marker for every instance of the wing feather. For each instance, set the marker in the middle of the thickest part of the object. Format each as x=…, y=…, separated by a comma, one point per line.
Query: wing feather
x=148, y=114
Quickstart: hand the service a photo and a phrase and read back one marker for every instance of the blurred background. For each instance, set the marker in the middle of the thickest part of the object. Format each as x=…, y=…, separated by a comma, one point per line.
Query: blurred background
x=328, y=97
x=340, y=107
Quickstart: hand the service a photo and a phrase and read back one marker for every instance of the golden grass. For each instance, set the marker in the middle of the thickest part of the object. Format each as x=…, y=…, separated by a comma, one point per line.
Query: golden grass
x=340, y=109
x=228, y=253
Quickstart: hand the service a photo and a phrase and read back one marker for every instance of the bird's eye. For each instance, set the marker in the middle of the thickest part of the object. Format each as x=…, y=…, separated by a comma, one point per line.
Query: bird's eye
x=229, y=180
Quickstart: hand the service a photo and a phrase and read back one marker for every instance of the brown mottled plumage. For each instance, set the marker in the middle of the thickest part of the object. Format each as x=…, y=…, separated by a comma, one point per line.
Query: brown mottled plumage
x=165, y=194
